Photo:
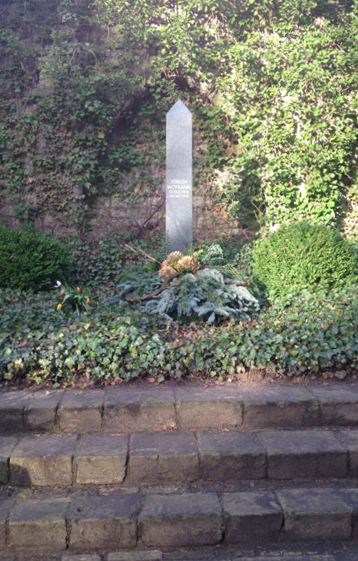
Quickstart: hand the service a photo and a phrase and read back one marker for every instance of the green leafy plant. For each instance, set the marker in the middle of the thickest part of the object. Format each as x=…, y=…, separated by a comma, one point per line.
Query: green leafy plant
x=305, y=333
x=98, y=262
x=187, y=289
x=204, y=295
x=304, y=256
x=210, y=255
x=287, y=90
x=296, y=335
x=139, y=281
x=30, y=260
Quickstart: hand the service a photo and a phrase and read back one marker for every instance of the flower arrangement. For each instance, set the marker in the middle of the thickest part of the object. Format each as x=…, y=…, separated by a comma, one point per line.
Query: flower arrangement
x=75, y=298
x=177, y=263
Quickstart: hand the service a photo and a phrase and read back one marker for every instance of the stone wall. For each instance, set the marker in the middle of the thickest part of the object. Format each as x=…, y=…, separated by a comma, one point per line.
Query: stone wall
x=111, y=215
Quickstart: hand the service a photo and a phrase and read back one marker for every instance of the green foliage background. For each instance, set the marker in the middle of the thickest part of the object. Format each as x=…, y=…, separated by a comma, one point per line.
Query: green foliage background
x=85, y=84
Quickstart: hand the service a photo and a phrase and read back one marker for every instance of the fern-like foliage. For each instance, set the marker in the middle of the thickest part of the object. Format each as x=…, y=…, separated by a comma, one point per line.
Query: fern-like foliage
x=207, y=296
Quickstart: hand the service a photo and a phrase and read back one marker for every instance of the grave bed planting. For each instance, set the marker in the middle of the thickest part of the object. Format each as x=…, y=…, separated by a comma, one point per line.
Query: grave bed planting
x=294, y=336
x=204, y=314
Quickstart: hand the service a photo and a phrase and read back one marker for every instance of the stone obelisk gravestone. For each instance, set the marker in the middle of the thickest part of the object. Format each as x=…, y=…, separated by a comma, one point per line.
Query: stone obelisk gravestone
x=179, y=178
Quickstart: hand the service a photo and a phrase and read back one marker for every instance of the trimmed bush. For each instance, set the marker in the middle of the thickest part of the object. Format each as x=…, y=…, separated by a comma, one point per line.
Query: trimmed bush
x=304, y=256
x=30, y=260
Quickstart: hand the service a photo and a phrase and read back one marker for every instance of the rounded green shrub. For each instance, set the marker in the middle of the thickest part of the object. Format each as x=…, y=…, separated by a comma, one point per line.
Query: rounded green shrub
x=304, y=256
x=30, y=260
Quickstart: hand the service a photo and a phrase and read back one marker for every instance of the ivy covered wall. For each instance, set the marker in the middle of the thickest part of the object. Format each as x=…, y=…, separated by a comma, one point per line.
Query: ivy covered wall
x=85, y=85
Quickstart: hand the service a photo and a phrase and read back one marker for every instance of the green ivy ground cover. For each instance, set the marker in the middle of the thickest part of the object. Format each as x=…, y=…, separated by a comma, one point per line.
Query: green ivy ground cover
x=298, y=335
x=137, y=314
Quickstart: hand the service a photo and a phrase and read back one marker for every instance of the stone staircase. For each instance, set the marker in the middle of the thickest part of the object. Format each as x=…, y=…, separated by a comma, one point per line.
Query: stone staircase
x=141, y=473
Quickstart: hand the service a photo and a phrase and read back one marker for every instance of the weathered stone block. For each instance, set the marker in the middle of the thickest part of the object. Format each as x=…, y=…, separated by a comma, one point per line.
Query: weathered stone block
x=43, y=460
x=81, y=411
x=349, y=441
x=38, y=525
x=338, y=405
x=81, y=557
x=315, y=514
x=135, y=556
x=40, y=410
x=140, y=409
x=208, y=407
x=181, y=520
x=101, y=459
x=6, y=504
x=251, y=517
x=7, y=444
x=350, y=496
x=12, y=410
x=298, y=556
x=304, y=454
x=169, y=457
x=108, y=521
x=231, y=456
x=279, y=407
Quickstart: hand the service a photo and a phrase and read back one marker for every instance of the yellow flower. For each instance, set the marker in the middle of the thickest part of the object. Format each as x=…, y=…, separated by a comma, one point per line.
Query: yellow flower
x=59, y=307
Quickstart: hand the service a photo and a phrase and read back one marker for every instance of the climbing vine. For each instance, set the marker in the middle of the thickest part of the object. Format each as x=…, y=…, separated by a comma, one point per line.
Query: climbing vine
x=290, y=97
x=84, y=87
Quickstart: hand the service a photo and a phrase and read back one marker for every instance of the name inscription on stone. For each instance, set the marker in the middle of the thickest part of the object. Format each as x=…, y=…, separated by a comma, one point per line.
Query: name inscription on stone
x=179, y=189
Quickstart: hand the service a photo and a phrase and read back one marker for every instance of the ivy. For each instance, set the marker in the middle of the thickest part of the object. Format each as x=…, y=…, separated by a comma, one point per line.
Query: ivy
x=296, y=336
x=85, y=87
x=291, y=102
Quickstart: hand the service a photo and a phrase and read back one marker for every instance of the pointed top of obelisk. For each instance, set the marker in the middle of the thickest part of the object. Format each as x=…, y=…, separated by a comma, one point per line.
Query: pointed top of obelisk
x=179, y=108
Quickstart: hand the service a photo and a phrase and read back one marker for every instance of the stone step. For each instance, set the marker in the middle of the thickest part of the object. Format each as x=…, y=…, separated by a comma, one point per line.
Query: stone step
x=177, y=458
x=186, y=407
x=277, y=552
x=123, y=521
x=282, y=552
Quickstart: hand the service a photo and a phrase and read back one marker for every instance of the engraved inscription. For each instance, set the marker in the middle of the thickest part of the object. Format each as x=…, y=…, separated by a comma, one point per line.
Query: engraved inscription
x=179, y=189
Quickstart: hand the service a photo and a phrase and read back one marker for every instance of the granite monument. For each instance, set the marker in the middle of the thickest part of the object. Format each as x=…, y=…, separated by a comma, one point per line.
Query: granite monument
x=179, y=178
